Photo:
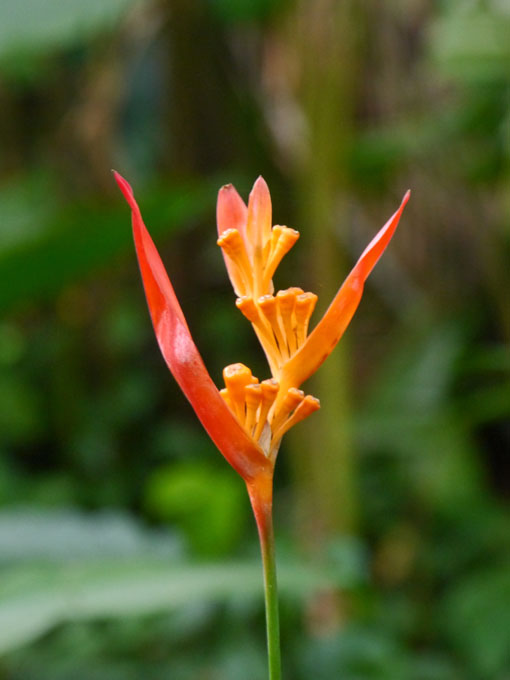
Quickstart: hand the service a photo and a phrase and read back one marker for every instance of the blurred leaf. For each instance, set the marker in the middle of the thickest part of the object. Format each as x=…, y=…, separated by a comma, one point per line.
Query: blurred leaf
x=27, y=534
x=35, y=599
x=472, y=127
x=410, y=395
x=348, y=557
x=244, y=10
x=80, y=239
x=488, y=359
x=66, y=566
x=125, y=328
x=175, y=438
x=12, y=344
x=430, y=667
x=21, y=415
x=477, y=535
x=187, y=493
x=413, y=403
x=28, y=205
x=488, y=403
x=357, y=654
x=472, y=43
x=135, y=648
x=412, y=412
x=477, y=619
x=30, y=26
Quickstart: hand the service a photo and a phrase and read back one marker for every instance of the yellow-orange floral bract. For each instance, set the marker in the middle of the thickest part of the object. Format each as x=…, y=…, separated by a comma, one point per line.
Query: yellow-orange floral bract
x=248, y=417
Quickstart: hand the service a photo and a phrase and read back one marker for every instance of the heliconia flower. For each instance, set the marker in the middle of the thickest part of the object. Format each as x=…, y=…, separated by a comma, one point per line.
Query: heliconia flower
x=247, y=419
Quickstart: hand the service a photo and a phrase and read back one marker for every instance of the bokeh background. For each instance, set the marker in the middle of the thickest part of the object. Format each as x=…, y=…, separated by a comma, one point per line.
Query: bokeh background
x=127, y=547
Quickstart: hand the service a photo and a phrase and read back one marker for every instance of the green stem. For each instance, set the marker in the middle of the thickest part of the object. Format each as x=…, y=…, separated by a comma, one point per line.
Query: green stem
x=261, y=500
x=271, y=597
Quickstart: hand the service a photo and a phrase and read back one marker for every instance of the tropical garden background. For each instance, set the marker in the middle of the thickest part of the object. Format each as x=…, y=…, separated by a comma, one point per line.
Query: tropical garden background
x=127, y=547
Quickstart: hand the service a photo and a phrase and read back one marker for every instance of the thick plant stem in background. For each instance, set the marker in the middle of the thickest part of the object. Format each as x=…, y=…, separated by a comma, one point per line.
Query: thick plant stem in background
x=261, y=497
x=326, y=499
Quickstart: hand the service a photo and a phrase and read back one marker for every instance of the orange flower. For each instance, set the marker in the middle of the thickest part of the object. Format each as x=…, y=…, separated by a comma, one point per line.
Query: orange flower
x=247, y=419
x=253, y=249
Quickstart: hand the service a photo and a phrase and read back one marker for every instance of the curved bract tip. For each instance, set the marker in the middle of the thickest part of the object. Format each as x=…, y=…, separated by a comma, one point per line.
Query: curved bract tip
x=125, y=187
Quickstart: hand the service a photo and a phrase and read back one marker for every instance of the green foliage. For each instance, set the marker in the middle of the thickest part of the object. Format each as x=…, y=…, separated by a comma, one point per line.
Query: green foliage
x=186, y=493
x=26, y=26
x=63, y=567
x=191, y=95
x=472, y=42
x=49, y=245
x=244, y=10
x=477, y=619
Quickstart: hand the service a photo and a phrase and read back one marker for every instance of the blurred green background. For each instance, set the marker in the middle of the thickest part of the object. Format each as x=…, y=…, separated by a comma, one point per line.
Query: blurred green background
x=127, y=547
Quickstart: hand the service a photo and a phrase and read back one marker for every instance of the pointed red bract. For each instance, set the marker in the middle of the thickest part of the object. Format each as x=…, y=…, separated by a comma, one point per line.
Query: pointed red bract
x=329, y=330
x=183, y=358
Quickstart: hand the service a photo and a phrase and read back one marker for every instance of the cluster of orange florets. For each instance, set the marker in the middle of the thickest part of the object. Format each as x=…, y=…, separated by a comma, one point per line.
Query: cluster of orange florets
x=281, y=324
x=253, y=403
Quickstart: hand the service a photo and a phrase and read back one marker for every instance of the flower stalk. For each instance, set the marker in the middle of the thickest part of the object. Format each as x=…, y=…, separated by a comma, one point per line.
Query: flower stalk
x=267, y=545
x=261, y=498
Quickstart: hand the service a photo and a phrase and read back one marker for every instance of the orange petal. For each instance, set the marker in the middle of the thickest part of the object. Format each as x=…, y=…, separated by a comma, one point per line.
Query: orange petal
x=322, y=340
x=183, y=358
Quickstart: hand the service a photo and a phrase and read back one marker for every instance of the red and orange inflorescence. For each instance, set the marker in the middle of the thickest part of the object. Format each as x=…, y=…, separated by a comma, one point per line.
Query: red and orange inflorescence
x=248, y=418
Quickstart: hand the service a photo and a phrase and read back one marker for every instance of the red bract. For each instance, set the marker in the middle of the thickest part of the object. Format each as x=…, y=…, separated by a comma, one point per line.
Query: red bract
x=324, y=337
x=183, y=358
